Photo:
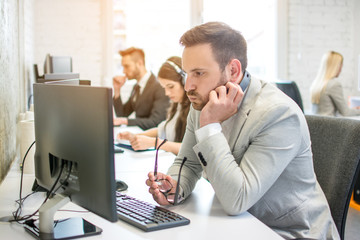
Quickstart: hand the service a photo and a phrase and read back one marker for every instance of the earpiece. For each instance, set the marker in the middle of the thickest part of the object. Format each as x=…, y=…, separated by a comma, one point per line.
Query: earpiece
x=178, y=70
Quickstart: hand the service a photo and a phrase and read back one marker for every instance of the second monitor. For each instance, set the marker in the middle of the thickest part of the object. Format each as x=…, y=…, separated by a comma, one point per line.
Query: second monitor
x=58, y=64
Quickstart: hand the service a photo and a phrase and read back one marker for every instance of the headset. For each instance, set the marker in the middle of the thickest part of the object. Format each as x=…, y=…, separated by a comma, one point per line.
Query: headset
x=179, y=71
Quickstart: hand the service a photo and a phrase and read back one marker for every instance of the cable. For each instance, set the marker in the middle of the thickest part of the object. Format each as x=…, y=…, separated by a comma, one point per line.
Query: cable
x=21, y=200
x=67, y=177
x=29, y=101
x=27, y=219
x=17, y=213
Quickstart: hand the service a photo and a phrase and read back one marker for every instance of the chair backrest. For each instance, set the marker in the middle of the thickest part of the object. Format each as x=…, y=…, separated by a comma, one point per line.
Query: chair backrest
x=291, y=89
x=336, y=153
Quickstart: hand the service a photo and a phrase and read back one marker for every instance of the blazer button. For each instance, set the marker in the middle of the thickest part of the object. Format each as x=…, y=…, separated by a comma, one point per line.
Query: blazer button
x=202, y=159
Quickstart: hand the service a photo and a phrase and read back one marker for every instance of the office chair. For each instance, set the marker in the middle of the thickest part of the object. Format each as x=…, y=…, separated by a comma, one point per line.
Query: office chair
x=336, y=153
x=291, y=89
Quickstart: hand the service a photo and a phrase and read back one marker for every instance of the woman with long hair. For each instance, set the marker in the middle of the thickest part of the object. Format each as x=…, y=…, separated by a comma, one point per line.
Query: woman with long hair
x=172, y=79
x=327, y=95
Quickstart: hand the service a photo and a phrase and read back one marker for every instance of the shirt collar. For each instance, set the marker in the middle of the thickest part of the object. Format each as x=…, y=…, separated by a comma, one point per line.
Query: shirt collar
x=144, y=80
x=245, y=81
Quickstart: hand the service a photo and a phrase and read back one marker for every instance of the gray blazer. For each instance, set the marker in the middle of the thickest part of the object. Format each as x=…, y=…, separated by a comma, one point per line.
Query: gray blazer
x=332, y=101
x=261, y=162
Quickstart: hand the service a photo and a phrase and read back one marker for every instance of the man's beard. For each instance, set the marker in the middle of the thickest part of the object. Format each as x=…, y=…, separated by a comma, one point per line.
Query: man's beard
x=203, y=100
x=134, y=75
x=199, y=105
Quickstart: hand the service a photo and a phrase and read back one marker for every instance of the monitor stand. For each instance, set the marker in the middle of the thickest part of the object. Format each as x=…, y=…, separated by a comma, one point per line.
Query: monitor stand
x=47, y=228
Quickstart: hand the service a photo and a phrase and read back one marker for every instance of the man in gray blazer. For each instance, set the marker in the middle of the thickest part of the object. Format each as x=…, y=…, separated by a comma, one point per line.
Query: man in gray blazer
x=147, y=101
x=249, y=138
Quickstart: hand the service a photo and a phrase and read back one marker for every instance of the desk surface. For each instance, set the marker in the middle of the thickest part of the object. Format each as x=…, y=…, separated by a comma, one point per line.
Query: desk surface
x=208, y=220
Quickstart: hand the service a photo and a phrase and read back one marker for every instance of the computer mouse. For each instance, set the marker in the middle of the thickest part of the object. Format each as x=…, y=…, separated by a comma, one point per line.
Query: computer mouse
x=121, y=185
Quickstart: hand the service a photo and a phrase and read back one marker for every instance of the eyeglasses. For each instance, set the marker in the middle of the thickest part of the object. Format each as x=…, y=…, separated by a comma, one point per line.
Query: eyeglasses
x=165, y=185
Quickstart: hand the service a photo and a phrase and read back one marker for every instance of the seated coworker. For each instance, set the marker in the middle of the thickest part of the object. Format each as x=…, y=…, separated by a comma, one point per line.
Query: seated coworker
x=327, y=95
x=252, y=143
x=147, y=100
x=171, y=78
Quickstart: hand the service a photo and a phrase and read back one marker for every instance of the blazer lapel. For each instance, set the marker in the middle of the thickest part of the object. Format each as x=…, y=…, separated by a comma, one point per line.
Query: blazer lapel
x=147, y=89
x=237, y=121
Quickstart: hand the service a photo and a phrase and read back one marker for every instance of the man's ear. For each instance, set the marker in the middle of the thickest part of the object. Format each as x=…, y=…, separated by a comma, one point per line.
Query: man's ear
x=139, y=63
x=235, y=71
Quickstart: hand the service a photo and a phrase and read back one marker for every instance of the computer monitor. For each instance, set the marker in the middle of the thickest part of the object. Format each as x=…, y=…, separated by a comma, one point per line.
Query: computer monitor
x=74, y=143
x=57, y=64
x=55, y=68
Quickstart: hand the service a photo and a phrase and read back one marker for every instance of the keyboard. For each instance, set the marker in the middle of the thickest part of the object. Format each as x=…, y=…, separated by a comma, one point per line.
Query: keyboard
x=146, y=216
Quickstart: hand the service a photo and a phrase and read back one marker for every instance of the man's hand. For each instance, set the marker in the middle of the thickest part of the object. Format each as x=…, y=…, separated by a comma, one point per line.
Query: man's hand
x=158, y=196
x=126, y=136
x=120, y=121
x=223, y=103
x=137, y=141
x=118, y=82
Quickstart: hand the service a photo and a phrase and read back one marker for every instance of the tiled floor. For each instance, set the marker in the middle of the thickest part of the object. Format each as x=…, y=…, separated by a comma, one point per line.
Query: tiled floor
x=352, y=227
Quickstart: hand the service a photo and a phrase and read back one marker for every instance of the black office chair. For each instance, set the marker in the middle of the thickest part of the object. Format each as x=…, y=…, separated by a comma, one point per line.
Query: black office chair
x=336, y=153
x=291, y=89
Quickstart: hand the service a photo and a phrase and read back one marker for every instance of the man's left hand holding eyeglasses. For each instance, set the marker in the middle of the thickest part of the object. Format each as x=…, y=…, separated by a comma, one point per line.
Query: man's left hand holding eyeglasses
x=154, y=188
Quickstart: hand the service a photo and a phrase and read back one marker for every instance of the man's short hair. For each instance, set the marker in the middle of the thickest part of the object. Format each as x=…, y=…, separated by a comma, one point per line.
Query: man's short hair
x=226, y=43
x=135, y=53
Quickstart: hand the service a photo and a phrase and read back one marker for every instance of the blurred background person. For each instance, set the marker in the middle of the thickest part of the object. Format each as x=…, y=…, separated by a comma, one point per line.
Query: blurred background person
x=172, y=79
x=147, y=104
x=327, y=95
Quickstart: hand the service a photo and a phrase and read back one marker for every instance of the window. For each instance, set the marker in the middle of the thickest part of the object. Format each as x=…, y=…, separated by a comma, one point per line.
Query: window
x=153, y=25
x=256, y=20
x=156, y=26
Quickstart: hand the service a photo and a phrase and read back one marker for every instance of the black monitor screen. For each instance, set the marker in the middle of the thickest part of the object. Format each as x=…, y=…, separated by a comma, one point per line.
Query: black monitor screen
x=74, y=136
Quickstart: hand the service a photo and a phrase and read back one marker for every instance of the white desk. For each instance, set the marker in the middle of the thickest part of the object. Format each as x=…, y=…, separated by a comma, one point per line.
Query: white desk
x=208, y=220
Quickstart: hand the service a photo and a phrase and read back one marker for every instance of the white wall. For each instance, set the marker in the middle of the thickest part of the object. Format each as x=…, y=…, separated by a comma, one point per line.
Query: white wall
x=71, y=28
x=9, y=82
x=357, y=39
x=16, y=46
x=315, y=27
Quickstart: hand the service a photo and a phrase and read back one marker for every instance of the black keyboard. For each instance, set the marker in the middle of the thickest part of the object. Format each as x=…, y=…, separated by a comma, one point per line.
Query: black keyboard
x=146, y=216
